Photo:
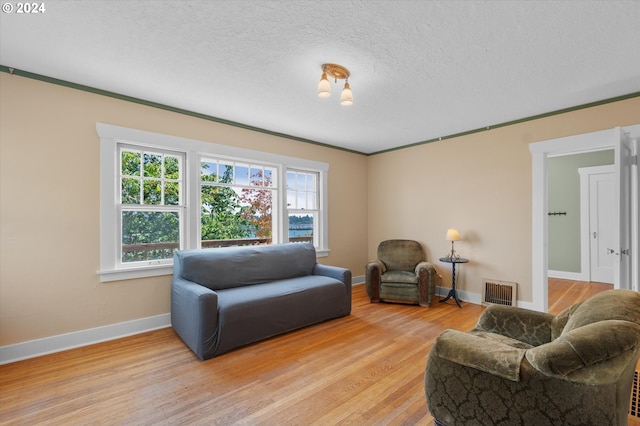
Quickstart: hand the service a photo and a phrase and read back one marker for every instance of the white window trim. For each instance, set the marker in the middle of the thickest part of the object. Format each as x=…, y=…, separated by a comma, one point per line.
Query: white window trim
x=111, y=135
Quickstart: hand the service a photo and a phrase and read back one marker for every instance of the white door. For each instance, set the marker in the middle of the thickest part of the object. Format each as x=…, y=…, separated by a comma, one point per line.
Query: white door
x=601, y=227
x=621, y=244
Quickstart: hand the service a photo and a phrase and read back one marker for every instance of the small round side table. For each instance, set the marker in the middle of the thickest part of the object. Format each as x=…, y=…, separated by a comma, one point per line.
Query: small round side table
x=453, y=294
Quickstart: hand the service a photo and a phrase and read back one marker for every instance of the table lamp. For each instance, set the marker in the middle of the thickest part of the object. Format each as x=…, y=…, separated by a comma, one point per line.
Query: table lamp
x=452, y=235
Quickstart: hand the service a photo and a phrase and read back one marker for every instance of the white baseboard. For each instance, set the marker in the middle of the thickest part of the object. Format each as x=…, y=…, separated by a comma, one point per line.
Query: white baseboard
x=475, y=298
x=465, y=296
x=76, y=339
x=62, y=342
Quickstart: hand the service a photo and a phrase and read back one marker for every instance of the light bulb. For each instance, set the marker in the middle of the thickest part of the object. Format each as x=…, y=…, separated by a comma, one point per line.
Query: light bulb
x=346, y=98
x=324, y=87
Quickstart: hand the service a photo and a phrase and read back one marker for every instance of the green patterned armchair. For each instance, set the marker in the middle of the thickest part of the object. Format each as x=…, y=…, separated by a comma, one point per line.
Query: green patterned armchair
x=521, y=367
x=400, y=274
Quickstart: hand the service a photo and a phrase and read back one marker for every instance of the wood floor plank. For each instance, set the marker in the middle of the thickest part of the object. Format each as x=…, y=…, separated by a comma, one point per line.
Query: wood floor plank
x=367, y=368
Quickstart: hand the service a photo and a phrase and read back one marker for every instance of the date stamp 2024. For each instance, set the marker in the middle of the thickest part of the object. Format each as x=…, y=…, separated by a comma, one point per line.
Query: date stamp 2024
x=23, y=8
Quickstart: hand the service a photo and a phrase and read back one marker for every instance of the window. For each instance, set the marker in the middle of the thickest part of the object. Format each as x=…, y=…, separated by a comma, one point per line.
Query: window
x=236, y=202
x=162, y=193
x=303, y=205
x=151, y=204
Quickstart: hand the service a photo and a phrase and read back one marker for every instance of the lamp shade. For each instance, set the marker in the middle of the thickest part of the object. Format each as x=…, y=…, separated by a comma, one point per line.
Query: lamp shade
x=346, y=98
x=453, y=234
x=324, y=87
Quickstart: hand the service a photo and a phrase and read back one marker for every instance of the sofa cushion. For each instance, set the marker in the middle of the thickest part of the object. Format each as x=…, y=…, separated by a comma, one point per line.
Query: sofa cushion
x=228, y=267
x=251, y=313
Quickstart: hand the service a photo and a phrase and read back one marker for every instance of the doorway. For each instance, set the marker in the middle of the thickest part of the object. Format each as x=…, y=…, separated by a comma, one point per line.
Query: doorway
x=566, y=194
x=624, y=141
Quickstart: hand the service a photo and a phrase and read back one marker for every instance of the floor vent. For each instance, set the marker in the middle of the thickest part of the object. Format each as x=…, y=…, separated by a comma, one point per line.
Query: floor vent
x=496, y=292
x=634, y=410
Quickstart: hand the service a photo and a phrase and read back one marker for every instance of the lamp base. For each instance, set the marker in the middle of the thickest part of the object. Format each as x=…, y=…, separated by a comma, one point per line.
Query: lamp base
x=452, y=255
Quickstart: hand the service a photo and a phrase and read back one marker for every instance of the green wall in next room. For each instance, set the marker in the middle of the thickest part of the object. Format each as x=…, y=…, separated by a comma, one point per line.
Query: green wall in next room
x=564, y=196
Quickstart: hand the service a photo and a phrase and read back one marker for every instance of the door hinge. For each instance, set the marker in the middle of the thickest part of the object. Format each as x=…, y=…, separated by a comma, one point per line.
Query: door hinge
x=634, y=160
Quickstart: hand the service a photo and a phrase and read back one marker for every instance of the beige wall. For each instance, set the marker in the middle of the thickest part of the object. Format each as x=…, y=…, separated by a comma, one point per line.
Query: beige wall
x=480, y=184
x=49, y=201
x=49, y=206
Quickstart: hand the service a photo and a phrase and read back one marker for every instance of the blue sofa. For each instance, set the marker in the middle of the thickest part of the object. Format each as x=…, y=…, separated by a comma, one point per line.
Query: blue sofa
x=223, y=298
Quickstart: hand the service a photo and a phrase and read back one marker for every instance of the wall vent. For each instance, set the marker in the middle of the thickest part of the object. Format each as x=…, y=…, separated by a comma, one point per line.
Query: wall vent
x=496, y=292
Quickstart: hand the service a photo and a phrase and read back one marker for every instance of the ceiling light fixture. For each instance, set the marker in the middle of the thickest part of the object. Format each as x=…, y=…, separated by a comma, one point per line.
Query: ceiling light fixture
x=337, y=72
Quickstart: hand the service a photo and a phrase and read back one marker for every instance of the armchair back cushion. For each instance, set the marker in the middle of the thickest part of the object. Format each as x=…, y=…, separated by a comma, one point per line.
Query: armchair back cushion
x=603, y=306
x=400, y=255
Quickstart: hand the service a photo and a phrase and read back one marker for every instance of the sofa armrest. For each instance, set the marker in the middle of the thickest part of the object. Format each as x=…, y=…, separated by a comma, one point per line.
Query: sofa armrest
x=194, y=316
x=528, y=326
x=482, y=354
x=341, y=274
x=596, y=353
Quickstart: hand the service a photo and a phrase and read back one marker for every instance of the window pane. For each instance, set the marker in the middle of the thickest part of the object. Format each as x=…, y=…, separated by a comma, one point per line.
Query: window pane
x=257, y=176
x=311, y=182
x=268, y=177
x=130, y=163
x=291, y=180
x=222, y=214
x=172, y=168
x=130, y=191
x=152, y=165
x=257, y=209
x=149, y=235
x=291, y=200
x=152, y=192
x=311, y=200
x=301, y=227
x=226, y=173
x=301, y=200
x=172, y=193
x=209, y=171
x=300, y=182
x=242, y=174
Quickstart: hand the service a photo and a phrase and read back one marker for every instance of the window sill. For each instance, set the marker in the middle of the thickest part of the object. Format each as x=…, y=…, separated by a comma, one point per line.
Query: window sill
x=322, y=252
x=154, y=270
x=133, y=273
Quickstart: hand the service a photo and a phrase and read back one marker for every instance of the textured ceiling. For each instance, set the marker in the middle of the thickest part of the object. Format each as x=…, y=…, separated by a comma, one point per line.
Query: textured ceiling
x=419, y=69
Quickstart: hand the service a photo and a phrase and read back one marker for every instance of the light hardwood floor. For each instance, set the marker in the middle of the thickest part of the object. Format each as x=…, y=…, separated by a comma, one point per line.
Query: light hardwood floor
x=364, y=369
